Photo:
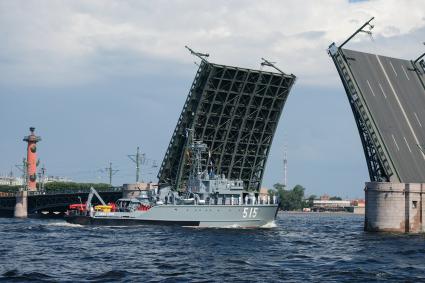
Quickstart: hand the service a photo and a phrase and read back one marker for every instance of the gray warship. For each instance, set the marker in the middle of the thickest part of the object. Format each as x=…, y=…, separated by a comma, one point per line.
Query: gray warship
x=210, y=200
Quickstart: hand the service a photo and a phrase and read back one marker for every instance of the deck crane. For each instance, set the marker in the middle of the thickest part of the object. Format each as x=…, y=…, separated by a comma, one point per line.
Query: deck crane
x=92, y=193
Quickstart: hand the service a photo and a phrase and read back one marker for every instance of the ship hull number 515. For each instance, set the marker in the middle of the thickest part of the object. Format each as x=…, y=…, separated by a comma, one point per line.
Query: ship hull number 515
x=250, y=212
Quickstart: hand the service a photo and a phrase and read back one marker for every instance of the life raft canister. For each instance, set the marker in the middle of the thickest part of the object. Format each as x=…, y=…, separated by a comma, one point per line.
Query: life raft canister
x=144, y=207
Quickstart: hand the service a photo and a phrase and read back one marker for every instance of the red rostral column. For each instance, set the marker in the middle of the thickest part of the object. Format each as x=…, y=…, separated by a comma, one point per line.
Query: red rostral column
x=32, y=140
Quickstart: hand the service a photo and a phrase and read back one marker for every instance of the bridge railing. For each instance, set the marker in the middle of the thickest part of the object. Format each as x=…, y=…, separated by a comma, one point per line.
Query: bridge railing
x=74, y=191
x=7, y=194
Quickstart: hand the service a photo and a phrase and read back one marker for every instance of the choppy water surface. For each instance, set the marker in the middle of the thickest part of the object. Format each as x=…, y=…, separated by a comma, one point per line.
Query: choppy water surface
x=303, y=247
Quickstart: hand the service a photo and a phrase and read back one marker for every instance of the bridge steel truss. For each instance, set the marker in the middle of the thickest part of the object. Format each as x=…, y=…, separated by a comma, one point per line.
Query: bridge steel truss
x=235, y=111
x=379, y=163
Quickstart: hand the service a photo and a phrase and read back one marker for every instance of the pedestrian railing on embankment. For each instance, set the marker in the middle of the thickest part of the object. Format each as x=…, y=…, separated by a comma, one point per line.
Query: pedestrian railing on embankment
x=62, y=191
x=7, y=194
x=74, y=191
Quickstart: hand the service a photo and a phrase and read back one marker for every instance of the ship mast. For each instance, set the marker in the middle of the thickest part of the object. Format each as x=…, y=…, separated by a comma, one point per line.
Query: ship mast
x=196, y=149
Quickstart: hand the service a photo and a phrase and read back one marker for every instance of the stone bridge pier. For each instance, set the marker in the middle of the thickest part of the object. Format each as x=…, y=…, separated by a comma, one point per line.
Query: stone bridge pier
x=394, y=207
x=21, y=206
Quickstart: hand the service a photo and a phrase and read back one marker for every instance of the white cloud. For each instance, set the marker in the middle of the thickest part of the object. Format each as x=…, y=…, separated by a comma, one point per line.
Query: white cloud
x=55, y=42
x=125, y=48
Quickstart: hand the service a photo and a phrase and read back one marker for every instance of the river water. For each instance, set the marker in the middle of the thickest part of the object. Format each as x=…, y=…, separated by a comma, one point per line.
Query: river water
x=302, y=247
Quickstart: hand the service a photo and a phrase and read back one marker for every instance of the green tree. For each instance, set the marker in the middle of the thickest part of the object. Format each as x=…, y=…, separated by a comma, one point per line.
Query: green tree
x=310, y=200
x=335, y=198
x=74, y=186
x=10, y=189
x=290, y=199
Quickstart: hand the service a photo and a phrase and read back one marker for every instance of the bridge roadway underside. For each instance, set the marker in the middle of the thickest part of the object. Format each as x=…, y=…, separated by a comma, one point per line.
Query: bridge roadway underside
x=52, y=205
x=235, y=112
x=395, y=95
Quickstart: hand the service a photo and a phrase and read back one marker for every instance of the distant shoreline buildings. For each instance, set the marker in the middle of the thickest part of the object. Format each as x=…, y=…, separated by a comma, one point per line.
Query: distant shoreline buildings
x=325, y=203
x=7, y=180
x=10, y=180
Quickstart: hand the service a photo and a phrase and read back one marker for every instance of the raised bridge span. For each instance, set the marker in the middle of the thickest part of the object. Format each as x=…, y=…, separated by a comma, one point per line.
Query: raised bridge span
x=235, y=111
x=387, y=96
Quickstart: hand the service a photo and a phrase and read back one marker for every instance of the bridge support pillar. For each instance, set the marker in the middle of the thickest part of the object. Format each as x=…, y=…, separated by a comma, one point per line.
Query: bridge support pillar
x=134, y=190
x=21, y=206
x=395, y=207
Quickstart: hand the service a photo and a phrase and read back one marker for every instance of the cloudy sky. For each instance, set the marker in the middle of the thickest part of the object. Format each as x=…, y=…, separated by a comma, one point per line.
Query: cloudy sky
x=99, y=78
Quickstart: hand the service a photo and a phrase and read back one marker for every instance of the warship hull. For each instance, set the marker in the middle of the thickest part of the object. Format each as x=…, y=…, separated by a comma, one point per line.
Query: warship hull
x=217, y=216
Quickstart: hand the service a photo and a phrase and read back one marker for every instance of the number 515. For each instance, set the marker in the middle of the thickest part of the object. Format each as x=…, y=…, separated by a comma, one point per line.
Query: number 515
x=250, y=212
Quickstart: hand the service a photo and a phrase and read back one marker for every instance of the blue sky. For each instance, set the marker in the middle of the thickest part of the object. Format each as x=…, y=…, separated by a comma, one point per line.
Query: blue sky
x=99, y=78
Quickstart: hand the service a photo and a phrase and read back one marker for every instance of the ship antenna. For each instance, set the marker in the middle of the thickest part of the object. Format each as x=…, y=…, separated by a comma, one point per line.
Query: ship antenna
x=196, y=148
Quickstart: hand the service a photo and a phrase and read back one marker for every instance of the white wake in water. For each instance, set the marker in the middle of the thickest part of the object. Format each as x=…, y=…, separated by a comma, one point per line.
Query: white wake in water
x=269, y=225
x=233, y=226
x=63, y=224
